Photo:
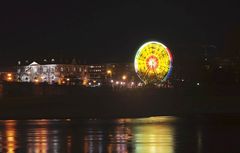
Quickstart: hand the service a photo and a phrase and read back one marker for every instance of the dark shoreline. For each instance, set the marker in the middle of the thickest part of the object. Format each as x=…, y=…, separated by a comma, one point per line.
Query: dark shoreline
x=120, y=103
x=117, y=105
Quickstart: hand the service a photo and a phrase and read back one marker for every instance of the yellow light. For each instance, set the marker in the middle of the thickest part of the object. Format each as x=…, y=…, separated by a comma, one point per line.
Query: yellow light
x=109, y=72
x=9, y=74
x=124, y=77
x=68, y=79
x=9, y=78
x=85, y=82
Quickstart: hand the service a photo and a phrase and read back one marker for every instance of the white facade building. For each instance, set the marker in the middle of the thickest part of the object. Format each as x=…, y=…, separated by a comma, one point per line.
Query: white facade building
x=50, y=73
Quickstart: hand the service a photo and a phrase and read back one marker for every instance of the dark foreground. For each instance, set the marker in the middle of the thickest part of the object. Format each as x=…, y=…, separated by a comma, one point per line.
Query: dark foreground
x=71, y=102
x=165, y=134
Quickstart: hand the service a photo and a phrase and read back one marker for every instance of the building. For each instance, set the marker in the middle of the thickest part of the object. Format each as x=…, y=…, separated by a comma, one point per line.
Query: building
x=91, y=75
x=51, y=73
x=109, y=73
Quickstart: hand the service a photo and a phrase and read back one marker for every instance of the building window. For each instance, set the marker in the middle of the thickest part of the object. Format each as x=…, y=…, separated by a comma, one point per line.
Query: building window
x=44, y=69
x=52, y=69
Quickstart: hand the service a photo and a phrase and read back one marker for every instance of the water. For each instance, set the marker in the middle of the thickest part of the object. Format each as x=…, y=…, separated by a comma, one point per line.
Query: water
x=143, y=135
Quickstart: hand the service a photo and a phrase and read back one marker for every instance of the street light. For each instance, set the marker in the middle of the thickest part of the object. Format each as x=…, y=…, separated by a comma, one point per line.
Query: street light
x=36, y=81
x=109, y=72
x=9, y=74
x=124, y=77
x=9, y=77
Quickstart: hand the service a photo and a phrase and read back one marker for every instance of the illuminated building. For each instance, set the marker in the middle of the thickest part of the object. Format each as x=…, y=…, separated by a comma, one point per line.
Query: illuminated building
x=51, y=73
x=97, y=72
x=111, y=73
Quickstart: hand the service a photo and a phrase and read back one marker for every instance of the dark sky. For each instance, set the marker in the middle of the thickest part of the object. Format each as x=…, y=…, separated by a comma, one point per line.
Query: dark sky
x=112, y=31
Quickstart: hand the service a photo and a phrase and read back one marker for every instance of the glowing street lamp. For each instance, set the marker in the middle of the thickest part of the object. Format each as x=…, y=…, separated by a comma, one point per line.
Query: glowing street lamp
x=9, y=77
x=9, y=74
x=36, y=81
x=109, y=72
x=124, y=77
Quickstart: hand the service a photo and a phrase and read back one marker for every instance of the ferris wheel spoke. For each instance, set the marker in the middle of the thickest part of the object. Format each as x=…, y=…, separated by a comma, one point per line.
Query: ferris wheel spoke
x=144, y=77
x=156, y=75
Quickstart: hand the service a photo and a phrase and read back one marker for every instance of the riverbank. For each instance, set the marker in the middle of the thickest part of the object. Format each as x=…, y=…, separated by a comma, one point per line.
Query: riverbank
x=108, y=103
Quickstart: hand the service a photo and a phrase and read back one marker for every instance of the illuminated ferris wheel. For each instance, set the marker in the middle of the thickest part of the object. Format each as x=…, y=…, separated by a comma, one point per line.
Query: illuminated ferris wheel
x=153, y=62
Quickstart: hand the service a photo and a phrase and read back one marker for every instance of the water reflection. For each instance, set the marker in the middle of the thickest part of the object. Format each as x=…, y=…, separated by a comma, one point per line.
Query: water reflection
x=44, y=136
x=154, y=138
x=56, y=136
x=37, y=140
x=8, y=137
x=119, y=139
x=145, y=135
x=130, y=135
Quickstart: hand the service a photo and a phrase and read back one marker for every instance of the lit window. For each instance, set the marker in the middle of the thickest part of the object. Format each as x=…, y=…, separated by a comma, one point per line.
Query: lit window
x=44, y=69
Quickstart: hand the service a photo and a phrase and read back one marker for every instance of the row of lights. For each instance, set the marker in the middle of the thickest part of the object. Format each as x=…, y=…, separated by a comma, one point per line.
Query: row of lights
x=45, y=60
x=124, y=83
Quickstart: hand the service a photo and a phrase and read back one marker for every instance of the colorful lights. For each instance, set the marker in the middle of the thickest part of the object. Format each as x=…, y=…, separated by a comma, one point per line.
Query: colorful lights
x=153, y=62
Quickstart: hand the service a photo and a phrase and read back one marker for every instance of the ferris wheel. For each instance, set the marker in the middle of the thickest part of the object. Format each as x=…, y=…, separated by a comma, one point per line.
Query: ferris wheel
x=153, y=62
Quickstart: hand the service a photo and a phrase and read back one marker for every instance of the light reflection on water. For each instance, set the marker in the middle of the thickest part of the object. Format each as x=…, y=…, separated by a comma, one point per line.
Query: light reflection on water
x=143, y=135
x=55, y=136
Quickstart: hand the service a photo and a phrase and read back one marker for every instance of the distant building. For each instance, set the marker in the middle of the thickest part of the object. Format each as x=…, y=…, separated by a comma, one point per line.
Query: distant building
x=51, y=73
x=109, y=72
x=92, y=75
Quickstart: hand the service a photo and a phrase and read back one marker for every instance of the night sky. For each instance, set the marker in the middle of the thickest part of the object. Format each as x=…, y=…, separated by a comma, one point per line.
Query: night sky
x=112, y=31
